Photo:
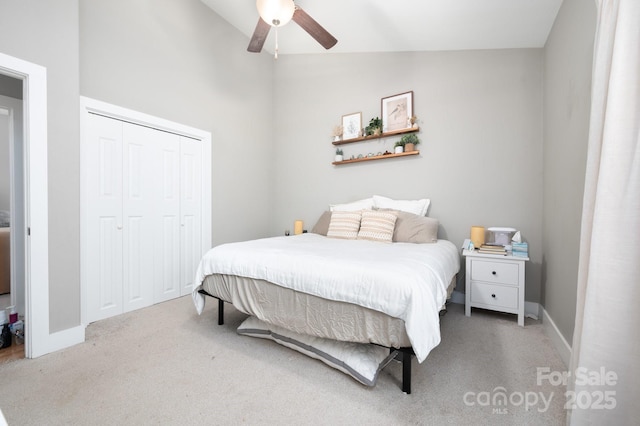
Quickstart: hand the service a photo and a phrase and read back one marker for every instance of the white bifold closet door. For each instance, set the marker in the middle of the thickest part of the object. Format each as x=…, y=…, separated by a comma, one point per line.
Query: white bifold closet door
x=144, y=216
x=190, y=211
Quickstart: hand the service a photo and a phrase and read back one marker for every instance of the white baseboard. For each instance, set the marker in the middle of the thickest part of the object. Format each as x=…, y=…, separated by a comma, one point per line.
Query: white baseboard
x=558, y=340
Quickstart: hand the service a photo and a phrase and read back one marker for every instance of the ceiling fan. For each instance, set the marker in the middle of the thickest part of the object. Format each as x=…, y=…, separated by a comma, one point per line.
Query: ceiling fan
x=276, y=13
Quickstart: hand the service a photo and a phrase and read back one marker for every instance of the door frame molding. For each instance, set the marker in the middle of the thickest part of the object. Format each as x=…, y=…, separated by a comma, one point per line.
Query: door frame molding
x=94, y=106
x=38, y=338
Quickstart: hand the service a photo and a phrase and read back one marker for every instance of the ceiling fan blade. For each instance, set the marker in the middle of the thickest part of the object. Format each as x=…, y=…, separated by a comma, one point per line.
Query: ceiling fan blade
x=314, y=29
x=259, y=36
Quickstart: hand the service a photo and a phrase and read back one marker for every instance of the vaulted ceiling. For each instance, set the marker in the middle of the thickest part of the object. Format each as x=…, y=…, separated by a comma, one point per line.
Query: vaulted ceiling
x=405, y=25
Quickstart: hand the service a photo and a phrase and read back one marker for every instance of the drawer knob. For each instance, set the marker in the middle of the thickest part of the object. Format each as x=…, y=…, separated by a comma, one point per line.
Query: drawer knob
x=493, y=295
x=493, y=272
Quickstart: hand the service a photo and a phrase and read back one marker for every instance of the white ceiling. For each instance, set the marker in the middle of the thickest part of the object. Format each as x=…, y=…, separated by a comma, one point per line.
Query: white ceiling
x=405, y=25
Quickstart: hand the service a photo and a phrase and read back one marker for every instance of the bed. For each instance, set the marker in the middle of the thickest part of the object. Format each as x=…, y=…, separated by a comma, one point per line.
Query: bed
x=357, y=290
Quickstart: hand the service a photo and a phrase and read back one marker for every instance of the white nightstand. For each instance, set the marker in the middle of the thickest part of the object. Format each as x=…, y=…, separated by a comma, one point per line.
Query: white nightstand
x=495, y=282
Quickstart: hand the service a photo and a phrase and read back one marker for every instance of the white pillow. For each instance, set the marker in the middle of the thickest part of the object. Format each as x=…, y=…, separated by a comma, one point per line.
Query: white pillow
x=366, y=204
x=377, y=226
x=419, y=207
x=344, y=225
x=362, y=361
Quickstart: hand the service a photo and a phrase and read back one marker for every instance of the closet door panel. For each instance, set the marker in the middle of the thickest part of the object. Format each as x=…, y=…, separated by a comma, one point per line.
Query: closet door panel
x=190, y=211
x=139, y=202
x=167, y=285
x=141, y=209
x=102, y=242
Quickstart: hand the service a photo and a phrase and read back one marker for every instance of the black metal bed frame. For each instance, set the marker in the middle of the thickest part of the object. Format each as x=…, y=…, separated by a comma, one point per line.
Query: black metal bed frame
x=404, y=355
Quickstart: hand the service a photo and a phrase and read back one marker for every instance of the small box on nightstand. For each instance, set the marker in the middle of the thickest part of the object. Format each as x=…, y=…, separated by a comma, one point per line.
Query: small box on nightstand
x=495, y=282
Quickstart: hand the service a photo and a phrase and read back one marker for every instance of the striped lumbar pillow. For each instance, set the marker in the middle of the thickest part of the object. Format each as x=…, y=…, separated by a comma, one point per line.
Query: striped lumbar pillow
x=344, y=225
x=377, y=226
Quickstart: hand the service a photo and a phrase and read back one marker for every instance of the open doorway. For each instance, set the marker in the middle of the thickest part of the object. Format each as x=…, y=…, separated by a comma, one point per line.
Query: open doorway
x=38, y=338
x=12, y=213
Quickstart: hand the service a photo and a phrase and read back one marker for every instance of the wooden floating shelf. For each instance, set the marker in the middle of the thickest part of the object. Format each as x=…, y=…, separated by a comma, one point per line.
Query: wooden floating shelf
x=375, y=157
x=380, y=136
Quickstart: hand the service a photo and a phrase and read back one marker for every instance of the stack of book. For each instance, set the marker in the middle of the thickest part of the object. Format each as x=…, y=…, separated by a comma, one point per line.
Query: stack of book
x=520, y=249
x=490, y=249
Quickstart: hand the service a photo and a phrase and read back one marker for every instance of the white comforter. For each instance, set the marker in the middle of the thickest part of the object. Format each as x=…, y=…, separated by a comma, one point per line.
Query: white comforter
x=403, y=280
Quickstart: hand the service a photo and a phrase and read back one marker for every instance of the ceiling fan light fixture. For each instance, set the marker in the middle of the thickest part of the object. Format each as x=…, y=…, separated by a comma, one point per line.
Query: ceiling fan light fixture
x=275, y=12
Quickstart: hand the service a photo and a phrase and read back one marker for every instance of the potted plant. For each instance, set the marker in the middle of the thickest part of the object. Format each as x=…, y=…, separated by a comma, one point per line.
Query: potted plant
x=410, y=141
x=337, y=133
x=398, y=148
x=338, y=154
x=374, y=127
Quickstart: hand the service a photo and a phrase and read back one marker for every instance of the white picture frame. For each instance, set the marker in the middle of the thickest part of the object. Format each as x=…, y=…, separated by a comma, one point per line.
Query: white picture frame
x=351, y=125
x=396, y=111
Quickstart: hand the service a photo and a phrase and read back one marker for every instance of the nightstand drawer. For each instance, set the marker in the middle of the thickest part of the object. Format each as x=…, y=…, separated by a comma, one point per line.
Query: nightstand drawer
x=494, y=272
x=494, y=295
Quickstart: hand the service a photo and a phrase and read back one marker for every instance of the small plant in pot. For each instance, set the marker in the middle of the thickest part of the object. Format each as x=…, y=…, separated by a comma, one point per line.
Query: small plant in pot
x=398, y=148
x=338, y=154
x=337, y=133
x=374, y=127
x=410, y=142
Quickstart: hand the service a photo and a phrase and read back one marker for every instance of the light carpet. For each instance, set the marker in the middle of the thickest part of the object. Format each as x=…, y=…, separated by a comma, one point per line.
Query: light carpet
x=167, y=365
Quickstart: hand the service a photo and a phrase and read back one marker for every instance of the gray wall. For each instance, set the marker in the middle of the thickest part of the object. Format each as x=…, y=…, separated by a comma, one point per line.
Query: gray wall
x=46, y=33
x=567, y=96
x=11, y=87
x=176, y=60
x=180, y=61
x=483, y=160
x=481, y=130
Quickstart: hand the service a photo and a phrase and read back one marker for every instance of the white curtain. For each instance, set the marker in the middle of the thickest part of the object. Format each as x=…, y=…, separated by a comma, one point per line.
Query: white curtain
x=605, y=363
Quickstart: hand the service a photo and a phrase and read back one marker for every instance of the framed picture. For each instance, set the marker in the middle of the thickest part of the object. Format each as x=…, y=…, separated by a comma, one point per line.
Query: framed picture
x=396, y=111
x=351, y=125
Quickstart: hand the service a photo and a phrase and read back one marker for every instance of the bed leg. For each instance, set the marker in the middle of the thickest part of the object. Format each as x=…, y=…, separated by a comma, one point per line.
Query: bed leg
x=220, y=312
x=406, y=372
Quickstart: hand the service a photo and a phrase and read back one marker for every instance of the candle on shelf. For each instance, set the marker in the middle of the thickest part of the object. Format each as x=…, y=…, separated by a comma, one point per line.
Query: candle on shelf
x=297, y=227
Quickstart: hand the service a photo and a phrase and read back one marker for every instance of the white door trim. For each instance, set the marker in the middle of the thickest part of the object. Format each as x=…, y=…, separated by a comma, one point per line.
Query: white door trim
x=38, y=339
x=89, y=105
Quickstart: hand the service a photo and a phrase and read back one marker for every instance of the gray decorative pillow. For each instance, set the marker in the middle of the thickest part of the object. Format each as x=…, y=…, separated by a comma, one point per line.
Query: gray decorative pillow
x=322, y=225
x=411, y=228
